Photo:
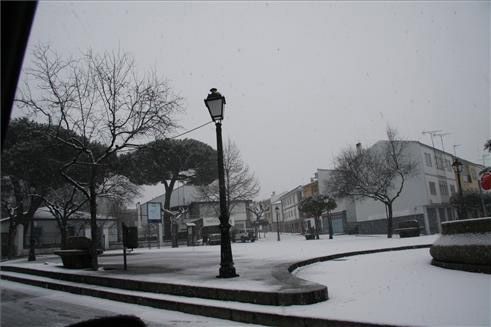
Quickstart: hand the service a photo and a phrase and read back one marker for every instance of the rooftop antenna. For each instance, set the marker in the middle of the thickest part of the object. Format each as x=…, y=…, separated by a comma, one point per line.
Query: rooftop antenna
x=432, y=133
x=441, y=138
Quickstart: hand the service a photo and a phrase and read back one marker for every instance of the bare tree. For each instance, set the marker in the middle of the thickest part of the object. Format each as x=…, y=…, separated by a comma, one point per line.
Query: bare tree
x=118, y=189
x=63, y=203
x=378, y=173
x=258, y=211
x=102, y=100
x=240, y=182
x=18, y=205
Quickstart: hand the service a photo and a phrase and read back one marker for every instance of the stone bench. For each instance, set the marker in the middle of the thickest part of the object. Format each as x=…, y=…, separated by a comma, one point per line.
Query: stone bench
x=76, y=254
x=408, y=228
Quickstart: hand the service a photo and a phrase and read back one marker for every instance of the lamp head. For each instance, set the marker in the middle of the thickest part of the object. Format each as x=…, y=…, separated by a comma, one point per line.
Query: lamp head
x=215, y=103
x=457, y=166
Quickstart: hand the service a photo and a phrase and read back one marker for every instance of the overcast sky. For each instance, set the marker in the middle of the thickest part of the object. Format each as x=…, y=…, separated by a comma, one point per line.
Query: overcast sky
x=303, y=80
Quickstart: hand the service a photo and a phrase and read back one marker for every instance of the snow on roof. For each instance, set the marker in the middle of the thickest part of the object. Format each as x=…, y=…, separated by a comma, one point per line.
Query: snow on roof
x=44, y=213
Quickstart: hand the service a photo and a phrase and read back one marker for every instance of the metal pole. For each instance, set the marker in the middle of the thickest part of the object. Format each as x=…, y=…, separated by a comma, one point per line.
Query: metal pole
x=32, y=253
x=483, y=206
x=227, y=269
x=278, y=224
x=125, y=235
x=463, y=214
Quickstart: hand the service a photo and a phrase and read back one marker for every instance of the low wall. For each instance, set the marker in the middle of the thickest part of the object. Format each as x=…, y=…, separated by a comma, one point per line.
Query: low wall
x=379, y=226
x=464, y=245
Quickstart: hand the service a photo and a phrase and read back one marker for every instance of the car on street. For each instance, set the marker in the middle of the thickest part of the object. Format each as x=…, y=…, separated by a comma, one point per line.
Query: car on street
x=244, y=235
x=214, y=239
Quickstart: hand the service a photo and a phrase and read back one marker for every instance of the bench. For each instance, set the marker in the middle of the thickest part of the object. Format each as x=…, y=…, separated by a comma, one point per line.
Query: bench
x=309, y=236
x=408, y=228
x=76, y=254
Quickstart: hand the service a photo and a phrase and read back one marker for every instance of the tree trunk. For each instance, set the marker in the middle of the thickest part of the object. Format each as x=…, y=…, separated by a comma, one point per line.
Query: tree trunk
x=168, y=228
x=317, y=223
x=11, y=237
x=93, y=219
x=35, y=203
x=329, y=222
x=63, y=237
x=175, y=234
x=389, y=219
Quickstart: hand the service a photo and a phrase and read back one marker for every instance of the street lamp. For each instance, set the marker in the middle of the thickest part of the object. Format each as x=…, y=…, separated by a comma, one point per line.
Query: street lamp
x=278, y=222
x=215, y=102
x=457, y=167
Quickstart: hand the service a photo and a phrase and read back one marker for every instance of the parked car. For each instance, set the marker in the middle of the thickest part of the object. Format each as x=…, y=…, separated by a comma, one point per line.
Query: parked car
x=214, y=239
x=244, y=235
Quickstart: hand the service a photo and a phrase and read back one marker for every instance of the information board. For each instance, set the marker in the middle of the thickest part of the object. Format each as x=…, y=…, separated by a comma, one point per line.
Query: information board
x=154, y=212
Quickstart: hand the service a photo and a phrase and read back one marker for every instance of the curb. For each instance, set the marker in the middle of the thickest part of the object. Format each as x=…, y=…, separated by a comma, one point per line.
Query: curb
x=247, y=316
x=295, y=292
x=307, y=262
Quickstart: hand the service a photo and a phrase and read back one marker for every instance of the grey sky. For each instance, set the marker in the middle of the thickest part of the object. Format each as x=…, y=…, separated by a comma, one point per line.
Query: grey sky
x=303, y=80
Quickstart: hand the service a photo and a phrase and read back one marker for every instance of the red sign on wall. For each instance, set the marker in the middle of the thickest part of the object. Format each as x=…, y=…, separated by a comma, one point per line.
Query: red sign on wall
x=486, y=181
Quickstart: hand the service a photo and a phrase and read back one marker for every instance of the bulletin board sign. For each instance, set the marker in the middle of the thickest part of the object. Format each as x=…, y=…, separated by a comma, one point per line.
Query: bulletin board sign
x=154, y=212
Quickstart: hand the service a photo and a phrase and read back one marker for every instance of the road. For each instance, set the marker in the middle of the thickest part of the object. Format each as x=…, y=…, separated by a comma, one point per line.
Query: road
x=24, y=305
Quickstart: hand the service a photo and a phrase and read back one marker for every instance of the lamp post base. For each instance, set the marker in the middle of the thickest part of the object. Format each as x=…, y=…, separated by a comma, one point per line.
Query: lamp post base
x=227, y=272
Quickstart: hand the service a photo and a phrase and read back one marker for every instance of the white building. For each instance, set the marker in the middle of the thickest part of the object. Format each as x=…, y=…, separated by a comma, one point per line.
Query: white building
x=291, y=217
x=425, y=196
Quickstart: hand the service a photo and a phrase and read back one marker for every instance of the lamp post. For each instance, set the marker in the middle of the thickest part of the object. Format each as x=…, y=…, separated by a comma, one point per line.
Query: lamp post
x=215, y=102
x=277, y=210
x=457, y=167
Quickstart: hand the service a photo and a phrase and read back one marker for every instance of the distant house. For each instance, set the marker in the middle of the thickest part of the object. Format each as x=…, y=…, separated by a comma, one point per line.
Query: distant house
x=203, y=214
x=292, y=221
x=48, y=237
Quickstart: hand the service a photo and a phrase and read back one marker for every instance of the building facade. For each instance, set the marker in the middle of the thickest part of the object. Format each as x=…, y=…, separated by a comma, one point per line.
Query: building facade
x=425, y=196
x=292, y=218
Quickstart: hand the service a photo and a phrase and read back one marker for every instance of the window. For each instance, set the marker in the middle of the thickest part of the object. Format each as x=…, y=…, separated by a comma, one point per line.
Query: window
x=439, y=162
x=428, y=159
x=448, y=165
x=452, y=189
x=443, y=187
x=432, y=188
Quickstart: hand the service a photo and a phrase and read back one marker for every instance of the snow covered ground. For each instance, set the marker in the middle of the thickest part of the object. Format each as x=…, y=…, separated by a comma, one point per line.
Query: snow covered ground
x=24, y=305
x=401, y=287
